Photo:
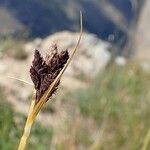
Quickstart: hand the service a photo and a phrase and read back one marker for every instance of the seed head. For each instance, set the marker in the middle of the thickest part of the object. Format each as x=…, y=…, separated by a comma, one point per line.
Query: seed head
x=44, y=71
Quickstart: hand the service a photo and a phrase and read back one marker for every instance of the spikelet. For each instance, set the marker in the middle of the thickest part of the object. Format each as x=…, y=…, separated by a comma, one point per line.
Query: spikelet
x=43, y=72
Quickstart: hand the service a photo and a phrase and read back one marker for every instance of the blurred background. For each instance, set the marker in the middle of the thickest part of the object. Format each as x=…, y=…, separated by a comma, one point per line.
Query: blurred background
x=104, y=96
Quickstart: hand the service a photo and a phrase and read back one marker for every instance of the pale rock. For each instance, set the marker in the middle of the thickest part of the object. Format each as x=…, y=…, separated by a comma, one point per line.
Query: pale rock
x=145, y=66
x=120, y=61
x=71, y=83
x=31, y=46
x=142, y=40
x=37, y=42
x=3, y=68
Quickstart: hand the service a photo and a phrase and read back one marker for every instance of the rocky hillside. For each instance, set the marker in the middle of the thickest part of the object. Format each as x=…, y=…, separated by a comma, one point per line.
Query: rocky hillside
x=85, y=110
x=109, y=19
x=142, y=43
x=8, y=23
x=92, y=56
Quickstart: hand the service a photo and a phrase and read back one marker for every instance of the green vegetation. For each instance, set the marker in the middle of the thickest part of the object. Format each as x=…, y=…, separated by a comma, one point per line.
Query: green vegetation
x=111, y=114
x=12, y=48
x=11, y=129
x=118, y=101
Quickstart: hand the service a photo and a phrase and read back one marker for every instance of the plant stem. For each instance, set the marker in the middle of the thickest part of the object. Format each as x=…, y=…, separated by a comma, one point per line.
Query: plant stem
x=25, y=136
x=27, y=129
x=146, y=141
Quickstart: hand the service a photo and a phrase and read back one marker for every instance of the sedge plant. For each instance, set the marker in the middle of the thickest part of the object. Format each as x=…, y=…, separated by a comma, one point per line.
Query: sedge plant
x=46, y=74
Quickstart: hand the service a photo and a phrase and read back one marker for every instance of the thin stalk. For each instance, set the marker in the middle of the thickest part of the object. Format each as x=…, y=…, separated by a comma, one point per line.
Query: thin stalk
x=146, y=141
x=27, y=128
x=25, y=135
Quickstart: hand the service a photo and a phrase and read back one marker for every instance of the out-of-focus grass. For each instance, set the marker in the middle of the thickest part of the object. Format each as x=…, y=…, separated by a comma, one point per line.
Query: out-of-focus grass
x=118, y=100
x=11, y=128
x=12, y=48
x=112, y=114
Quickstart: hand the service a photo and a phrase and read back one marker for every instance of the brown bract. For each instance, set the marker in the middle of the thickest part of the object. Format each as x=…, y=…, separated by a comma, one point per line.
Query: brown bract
x=44, y=71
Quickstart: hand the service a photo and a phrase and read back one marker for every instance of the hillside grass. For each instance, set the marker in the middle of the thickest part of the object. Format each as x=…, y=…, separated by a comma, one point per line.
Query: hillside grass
x=111, y=114
x=11, y=47
x=118, y=100
x=11, y=128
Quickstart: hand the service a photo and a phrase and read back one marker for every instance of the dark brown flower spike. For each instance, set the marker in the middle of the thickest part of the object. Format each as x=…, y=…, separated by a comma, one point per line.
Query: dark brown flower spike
x=43, y=72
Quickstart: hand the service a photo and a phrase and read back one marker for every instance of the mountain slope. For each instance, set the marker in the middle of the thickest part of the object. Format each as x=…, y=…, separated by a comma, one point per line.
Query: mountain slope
x=43, y=17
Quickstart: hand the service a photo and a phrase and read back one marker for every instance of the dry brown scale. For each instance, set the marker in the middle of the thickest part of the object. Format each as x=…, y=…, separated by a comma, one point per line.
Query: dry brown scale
x=44, y=71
